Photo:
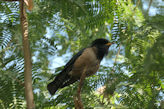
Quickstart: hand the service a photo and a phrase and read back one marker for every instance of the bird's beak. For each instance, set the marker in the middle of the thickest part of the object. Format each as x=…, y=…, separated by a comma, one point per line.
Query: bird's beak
x=108, y=44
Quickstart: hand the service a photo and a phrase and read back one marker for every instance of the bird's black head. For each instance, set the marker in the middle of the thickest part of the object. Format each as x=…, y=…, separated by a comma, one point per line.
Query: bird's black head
x=102, y=46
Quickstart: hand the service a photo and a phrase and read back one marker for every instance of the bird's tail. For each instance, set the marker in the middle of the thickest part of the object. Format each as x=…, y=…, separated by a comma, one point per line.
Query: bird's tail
x=57, y=83
x=52, y=87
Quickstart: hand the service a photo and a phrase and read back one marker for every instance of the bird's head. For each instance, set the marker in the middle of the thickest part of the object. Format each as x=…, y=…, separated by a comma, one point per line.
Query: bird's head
x=101, y=42
x=102, y=46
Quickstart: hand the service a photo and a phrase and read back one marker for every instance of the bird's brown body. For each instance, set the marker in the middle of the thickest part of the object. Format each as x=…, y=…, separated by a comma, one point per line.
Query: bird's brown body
x=90, y=66
x=85, y=61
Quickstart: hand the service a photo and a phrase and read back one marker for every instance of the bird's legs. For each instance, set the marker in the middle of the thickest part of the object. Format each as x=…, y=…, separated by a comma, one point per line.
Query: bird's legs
x=77, y=99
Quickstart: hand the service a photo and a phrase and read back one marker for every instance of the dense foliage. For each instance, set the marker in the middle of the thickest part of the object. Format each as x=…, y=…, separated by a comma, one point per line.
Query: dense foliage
x=131, y=77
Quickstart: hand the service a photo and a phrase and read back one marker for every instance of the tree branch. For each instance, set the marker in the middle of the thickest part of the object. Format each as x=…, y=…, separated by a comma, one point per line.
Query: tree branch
x=77, y=98
x=149, y=6
x=27, y=58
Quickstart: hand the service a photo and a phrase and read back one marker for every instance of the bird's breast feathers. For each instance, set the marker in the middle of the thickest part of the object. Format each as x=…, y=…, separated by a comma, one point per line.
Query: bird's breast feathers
x=86, y=61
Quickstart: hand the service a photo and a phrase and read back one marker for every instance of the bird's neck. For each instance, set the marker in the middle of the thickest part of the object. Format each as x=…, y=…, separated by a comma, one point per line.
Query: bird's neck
x=100, y=52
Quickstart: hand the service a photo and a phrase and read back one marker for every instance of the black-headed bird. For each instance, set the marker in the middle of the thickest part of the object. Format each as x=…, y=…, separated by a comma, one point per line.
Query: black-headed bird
x=87, y=60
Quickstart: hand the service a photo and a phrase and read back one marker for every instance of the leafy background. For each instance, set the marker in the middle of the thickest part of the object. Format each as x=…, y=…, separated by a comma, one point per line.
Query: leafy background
x=130, y=77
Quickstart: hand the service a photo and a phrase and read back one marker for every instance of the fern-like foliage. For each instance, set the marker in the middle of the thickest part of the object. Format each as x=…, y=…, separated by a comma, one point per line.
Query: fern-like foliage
x=58, y=27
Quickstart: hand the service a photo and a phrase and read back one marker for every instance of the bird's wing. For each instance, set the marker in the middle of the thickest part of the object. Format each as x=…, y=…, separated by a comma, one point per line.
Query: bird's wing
x=69, y=65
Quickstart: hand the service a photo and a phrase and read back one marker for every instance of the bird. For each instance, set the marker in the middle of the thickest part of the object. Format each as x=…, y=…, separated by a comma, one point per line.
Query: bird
x=86, y=60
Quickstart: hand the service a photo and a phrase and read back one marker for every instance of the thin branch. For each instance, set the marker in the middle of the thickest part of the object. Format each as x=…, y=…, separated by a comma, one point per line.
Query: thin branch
x=77, y=98
x=149, y=6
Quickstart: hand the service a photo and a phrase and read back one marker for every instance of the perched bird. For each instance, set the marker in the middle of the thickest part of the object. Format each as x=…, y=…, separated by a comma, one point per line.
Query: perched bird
x=88, y=60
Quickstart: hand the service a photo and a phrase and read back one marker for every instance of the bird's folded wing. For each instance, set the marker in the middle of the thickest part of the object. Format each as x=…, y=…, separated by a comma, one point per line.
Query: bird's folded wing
x=69, y=65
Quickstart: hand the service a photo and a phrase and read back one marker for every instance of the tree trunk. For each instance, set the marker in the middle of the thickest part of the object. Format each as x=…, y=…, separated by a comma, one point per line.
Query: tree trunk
x=27, y=58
